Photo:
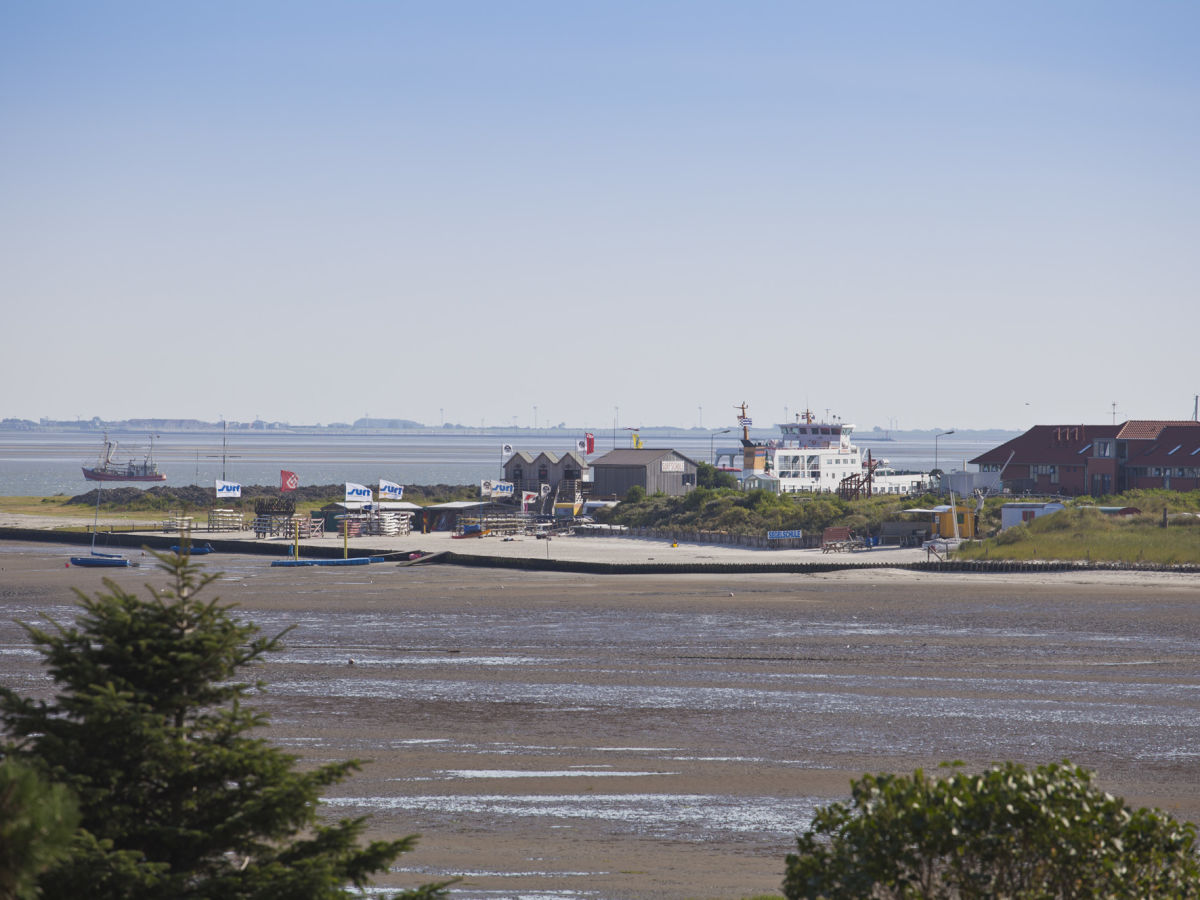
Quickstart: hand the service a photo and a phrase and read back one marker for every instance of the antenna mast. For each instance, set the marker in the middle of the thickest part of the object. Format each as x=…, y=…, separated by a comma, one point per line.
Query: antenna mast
x=225, y=454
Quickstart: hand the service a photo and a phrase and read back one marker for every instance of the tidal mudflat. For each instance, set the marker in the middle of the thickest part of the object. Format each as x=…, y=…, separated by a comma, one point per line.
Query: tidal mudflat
x=555, y=735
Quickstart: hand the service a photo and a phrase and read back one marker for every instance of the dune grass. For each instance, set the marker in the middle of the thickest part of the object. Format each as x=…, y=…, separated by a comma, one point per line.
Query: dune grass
x=1089, y=535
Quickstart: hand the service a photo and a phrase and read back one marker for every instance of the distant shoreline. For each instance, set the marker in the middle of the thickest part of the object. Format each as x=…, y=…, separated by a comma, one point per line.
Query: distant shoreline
x=179, y=426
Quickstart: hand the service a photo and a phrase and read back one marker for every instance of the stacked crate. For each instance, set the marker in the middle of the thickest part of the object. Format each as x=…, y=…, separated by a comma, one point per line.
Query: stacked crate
x=177, y=521
x=351, y=525
x=225, y=520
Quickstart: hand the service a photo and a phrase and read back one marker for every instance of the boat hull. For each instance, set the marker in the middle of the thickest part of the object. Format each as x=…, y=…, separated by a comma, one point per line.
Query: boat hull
x=100, y=562
x=102, y=475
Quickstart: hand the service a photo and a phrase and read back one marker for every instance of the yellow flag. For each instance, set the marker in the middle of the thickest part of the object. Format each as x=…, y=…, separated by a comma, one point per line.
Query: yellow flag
x=637, y=441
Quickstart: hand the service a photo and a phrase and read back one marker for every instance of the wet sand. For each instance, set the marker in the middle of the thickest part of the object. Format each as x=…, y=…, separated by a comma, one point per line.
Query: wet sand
x=556, y=735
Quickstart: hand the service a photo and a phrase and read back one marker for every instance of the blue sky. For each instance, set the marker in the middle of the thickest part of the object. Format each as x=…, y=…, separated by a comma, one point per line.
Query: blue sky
x=943, y=214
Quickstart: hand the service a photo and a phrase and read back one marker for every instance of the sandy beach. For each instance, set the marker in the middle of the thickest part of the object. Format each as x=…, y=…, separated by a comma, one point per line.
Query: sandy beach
x=618, y=736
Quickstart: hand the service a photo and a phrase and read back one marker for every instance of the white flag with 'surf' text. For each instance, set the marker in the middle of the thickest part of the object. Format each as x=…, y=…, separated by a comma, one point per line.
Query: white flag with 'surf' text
x=389, y=490
x=230, y=489
x=357, y=492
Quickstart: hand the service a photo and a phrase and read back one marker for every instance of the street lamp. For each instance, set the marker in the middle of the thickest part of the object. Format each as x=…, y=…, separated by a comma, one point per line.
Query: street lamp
x=712, y=460
x=935, y=455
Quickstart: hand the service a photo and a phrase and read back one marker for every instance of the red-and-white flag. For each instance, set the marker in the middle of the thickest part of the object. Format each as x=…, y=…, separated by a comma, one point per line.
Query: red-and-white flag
x=527, y=497
x=591, y=442
x=288, y=480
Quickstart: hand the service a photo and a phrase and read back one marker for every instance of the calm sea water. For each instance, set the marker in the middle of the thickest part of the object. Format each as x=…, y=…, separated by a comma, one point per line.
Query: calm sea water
x=47, y=463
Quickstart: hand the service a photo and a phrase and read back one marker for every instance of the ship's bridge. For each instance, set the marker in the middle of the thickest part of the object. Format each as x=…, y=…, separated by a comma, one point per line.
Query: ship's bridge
x=817, y=435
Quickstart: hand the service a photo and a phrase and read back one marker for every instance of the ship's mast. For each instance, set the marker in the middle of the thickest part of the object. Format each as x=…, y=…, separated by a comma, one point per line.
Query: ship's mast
x=745, y=422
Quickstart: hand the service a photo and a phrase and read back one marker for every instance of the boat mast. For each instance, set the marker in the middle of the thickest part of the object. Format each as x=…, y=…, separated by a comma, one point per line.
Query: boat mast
x=96, y=518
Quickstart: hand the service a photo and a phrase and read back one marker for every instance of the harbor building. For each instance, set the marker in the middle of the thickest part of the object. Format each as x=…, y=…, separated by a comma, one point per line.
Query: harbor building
x=564, y=475
x=1018, y=513
x=665, y=471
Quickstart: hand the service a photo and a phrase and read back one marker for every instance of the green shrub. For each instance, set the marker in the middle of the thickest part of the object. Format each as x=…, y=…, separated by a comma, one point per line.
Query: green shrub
x=1025, y=834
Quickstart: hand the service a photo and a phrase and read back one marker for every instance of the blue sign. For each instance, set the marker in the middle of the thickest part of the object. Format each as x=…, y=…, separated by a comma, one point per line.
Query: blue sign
x=784, y=535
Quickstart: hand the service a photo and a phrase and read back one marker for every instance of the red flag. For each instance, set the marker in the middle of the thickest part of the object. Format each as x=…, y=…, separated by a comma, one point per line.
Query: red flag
x=288, y=480
x=591, y=441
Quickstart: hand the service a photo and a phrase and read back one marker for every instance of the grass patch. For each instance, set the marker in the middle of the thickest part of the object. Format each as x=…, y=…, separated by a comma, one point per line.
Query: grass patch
x=58, y=507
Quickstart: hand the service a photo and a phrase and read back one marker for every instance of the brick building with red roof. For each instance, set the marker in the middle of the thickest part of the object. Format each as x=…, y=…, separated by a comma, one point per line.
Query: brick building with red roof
x=1099, y=459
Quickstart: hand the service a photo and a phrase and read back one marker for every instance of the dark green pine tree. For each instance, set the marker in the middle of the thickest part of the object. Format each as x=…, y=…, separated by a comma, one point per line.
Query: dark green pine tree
x=178, y=798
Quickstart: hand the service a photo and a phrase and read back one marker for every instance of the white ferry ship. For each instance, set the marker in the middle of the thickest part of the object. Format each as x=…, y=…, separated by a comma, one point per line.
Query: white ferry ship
x=818, y=457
